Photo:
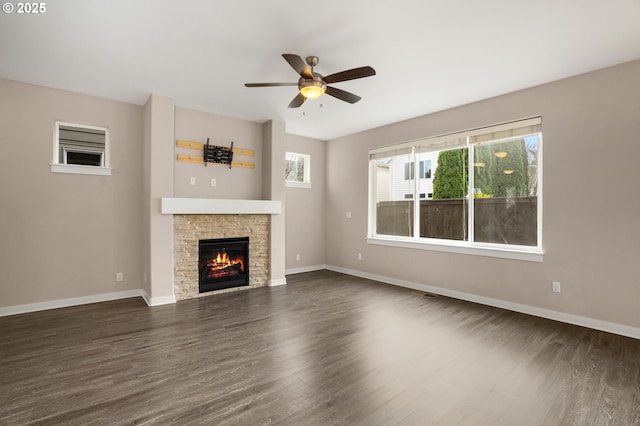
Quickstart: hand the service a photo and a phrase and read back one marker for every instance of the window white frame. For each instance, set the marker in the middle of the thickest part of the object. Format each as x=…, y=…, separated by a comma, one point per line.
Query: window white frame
x=436, y=143
x=59, y=162
x=66, y=151
x=306, y=180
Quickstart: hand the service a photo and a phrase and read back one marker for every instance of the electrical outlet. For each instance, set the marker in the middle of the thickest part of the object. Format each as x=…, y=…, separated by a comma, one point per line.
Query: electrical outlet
x=213, y=182
x=359, y=256
x=348, y=215
x=555, y=286
x=297, y=257
x=192, y=180
x=119, y=277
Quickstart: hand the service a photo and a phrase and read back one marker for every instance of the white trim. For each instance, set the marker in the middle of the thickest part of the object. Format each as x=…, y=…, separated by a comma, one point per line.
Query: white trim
x=275, y=283
x=66, y=151
x=460, y=248
x=595, y=324
x=305, y=269
x=436, y=140
x=64, y=303
x=540, y=188
x=219, y=206
x=292, y=184
x=78, y=169
x=371, y=198
x=157, y=301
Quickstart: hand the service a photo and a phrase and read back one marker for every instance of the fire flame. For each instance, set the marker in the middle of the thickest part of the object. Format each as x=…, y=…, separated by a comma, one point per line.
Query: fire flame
x=222, y=265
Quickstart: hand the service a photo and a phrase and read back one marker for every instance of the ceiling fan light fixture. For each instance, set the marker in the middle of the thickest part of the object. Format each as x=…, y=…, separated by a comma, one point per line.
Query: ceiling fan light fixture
x=312, y=89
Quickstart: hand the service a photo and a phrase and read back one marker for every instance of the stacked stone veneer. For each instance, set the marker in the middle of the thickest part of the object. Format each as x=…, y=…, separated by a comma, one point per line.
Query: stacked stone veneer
x=189, y=229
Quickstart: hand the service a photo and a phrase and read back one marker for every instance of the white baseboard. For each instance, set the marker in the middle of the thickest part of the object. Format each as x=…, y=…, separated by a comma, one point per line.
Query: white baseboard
x=275, y=283
x=596, y=324
x=305, y=269
x=157, y=301
x=64, y=303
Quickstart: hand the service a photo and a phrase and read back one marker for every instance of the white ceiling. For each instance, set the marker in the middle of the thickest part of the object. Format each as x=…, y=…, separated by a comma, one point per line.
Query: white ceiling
x=429, y=54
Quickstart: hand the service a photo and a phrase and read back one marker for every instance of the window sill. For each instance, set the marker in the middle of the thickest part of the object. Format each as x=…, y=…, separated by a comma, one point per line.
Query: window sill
x=528, y=255
x=291, y=184
x=80, y=170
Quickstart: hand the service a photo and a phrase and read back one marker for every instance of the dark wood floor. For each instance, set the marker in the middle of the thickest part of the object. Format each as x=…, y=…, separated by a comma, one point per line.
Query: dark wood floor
x=327, y=349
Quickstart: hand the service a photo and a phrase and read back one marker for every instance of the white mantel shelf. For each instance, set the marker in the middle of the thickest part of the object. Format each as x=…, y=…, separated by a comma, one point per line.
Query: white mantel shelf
x=219, y=206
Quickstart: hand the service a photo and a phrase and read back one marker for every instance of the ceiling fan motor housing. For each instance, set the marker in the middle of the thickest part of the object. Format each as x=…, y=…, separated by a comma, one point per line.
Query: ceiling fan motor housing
x=312, y=61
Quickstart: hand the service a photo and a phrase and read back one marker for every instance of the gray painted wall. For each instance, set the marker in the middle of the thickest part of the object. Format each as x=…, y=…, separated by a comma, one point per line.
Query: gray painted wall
x=590, y=127
x=160, y=112
x=305, y=227
x=273, y=139
x=64, y=235
x=235, y=183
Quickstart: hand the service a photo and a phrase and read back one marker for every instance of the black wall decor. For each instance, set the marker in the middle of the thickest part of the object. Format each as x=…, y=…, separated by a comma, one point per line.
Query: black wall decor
x=218, y=154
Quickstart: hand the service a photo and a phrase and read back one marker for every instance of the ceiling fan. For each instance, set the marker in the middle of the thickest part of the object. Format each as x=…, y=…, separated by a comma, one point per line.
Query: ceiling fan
x=313, y=85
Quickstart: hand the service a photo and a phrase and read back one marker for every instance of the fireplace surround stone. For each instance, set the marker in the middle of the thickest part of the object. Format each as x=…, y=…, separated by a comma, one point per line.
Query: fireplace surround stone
x=188, y=229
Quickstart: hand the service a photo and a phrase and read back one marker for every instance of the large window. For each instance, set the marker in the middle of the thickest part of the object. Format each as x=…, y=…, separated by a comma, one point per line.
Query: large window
x=477, y=191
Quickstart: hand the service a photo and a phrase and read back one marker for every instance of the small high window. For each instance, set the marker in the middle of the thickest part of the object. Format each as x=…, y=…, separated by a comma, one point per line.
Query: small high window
x=297, y=170
x=80, y=149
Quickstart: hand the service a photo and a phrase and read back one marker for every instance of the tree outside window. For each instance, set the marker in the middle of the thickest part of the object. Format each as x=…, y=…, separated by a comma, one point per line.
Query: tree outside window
x=297, y=170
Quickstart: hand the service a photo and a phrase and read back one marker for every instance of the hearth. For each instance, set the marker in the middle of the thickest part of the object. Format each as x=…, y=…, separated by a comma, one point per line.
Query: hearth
x=223, y=263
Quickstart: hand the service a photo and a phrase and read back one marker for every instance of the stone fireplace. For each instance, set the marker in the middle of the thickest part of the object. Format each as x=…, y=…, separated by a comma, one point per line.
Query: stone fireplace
x=190, y=229
x=196, y=219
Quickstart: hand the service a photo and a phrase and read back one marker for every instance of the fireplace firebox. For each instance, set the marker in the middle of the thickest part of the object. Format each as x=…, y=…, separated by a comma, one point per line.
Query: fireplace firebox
x=223, y=263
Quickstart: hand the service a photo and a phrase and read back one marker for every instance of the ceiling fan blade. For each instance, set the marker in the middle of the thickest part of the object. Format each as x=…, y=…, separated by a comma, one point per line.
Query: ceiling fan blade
x=269, y=84
x=297, y=101
x=350, y=74
x=298, y=64
x=343, y=95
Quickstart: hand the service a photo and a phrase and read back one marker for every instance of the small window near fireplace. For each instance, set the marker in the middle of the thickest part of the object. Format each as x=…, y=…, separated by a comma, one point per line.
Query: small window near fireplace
x=80, y=149
x=223, y=263
x=297, y=170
